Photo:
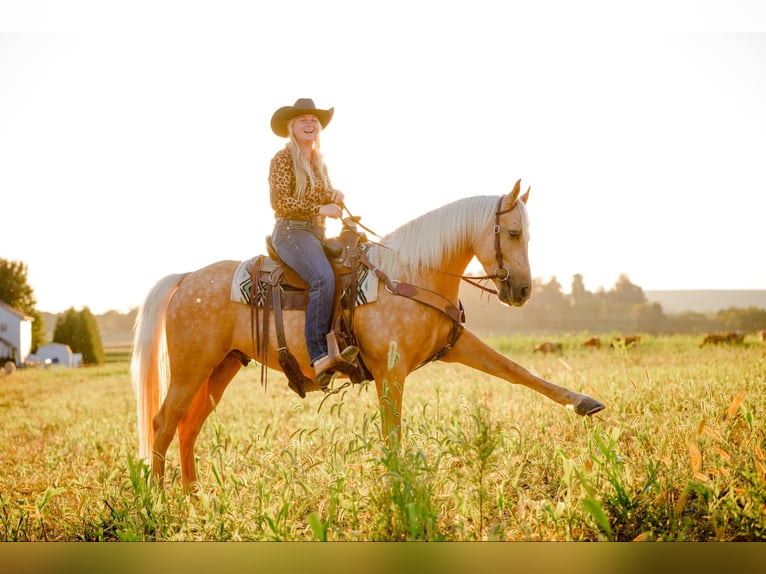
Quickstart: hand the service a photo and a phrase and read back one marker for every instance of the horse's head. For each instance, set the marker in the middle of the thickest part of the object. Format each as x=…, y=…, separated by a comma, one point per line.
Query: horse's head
x=502, y=249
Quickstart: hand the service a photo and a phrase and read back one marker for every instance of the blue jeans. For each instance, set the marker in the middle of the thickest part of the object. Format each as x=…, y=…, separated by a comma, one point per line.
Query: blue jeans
x=299, y=245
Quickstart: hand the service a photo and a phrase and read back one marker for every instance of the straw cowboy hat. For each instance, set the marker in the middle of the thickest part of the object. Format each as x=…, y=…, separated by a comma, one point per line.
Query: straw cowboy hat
x=283, y=115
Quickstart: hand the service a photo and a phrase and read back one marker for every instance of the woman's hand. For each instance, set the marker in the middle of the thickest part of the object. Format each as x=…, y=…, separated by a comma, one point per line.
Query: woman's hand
x=337, y=196
x=332, y=210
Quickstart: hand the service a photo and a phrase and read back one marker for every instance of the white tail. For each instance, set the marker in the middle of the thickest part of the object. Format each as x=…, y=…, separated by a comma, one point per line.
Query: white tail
x=149, y=366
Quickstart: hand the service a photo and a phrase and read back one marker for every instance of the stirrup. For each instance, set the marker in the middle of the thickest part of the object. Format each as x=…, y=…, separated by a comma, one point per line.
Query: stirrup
x=343, y=359
x=350, y=353
x=326, y=367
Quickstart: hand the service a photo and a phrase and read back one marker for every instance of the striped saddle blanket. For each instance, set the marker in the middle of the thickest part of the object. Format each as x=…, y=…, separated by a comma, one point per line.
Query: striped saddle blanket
x=241, y=286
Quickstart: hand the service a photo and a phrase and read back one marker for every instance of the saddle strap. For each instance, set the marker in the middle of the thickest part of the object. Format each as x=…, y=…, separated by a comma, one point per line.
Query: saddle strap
x=425, y=296
x=290, y=367
x=279, y=325
x=259, y=349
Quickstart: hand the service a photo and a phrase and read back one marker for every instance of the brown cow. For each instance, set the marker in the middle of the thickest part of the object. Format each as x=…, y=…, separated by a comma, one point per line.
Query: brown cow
x=735, y=337
x=627, y=341
x=548, y=347
x=713, y=339
x=593, y=342
x=730, y=338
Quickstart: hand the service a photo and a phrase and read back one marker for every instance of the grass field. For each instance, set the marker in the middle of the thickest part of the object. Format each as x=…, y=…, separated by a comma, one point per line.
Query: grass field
x=678, y=455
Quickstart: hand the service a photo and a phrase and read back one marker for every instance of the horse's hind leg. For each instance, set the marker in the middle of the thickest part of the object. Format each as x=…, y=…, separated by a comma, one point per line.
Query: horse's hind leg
x=471, y=351
x=184, y=387
x=166, y=422
x=206, y=399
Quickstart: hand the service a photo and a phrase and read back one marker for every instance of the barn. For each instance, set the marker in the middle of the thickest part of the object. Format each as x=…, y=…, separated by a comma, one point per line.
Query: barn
x=15, y=334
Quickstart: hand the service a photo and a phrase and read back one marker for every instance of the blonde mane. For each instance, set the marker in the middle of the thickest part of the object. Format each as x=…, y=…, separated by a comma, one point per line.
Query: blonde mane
x=431, y=238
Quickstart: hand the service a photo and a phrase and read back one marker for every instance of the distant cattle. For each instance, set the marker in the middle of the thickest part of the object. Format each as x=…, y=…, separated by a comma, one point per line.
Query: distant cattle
x=713, y=339
x=548, y=347
x=626, y=341
x=762, y=335
x=736, y=337
x=593, y=342
x=730, y=338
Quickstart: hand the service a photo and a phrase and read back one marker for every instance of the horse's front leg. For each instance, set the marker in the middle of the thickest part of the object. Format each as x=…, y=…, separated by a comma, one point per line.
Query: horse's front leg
x=473, y=352
x=390, y=405
x=389, y=384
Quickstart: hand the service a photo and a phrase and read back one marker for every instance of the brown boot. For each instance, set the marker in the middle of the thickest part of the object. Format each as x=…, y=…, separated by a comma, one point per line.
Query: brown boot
x=324, y=372
x=334, y=362
x=343, y=360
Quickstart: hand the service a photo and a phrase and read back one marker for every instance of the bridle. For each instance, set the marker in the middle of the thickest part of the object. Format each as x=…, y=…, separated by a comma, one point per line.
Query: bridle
x=502, y=273
x=498, y=251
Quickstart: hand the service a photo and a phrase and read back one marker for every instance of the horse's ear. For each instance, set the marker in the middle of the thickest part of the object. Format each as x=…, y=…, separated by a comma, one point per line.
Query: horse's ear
x=525, y=197
x=514, y=195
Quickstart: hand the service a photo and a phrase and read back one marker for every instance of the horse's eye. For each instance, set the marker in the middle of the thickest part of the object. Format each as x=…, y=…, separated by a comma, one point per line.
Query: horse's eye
x=514, y=233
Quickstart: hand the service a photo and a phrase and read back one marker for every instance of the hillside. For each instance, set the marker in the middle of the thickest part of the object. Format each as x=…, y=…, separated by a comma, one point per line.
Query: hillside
x=706, y=301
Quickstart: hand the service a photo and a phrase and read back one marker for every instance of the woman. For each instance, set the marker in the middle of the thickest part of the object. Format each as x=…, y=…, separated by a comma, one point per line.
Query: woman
x=302, y=197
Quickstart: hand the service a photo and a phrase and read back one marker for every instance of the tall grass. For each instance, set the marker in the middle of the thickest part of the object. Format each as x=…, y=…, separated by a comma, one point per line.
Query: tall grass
x=677, y=456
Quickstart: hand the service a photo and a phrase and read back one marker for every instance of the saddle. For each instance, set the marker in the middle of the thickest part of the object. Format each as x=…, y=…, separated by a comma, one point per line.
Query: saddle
x=286, y=290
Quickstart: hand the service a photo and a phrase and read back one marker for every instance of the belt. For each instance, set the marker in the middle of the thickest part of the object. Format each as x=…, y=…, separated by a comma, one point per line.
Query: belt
x=318, y=221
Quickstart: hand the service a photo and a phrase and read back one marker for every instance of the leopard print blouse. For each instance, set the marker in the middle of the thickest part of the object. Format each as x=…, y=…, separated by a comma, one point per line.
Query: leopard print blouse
x=282, y=186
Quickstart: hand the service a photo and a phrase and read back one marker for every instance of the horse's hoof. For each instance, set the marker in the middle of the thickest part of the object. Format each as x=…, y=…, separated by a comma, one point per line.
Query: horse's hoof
x=588, y=406
x=193, y=489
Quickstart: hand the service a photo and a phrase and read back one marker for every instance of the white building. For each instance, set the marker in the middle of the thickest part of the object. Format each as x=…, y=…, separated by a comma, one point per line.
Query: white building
x=55, y=354
x=15, y=334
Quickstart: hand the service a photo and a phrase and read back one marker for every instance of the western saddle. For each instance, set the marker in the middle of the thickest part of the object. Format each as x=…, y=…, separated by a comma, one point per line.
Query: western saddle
x=286, y=290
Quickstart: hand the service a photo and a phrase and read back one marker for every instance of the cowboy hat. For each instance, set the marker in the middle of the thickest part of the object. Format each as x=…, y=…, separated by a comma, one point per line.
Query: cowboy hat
x=283, y=115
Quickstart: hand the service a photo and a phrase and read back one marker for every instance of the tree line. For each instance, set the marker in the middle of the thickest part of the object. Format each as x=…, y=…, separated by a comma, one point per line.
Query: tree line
x=623, y=308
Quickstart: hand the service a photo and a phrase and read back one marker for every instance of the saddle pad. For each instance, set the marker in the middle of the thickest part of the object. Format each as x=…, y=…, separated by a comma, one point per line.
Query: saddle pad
x=366, y=291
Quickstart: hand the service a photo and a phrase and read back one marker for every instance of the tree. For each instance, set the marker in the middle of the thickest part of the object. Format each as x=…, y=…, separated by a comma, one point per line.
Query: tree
x=548, y=307
x=579, y=293
x=16, y=292
x=80, y=331
x=750, y=319
x=626, y=292
x=586, y=306
x=649, y=318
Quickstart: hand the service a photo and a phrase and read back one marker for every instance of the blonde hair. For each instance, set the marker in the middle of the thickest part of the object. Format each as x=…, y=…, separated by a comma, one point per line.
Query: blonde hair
x=306, y=168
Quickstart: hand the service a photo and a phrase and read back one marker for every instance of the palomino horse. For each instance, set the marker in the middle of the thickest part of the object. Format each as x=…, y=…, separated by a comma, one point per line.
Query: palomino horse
x=191, y=339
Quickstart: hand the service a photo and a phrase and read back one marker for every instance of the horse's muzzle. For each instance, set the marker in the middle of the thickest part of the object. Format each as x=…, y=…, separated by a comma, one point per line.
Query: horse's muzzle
x=514, y=294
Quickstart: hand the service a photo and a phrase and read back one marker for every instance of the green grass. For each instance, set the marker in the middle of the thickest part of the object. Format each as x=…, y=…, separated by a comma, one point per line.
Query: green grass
x=677, y=456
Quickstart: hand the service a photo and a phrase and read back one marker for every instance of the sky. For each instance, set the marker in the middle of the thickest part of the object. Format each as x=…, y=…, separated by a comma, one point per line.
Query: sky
x=135, y=138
